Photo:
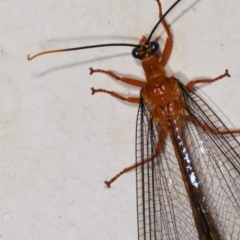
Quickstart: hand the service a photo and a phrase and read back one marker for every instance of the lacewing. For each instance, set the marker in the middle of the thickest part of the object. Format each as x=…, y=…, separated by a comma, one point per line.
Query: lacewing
x=187, y=161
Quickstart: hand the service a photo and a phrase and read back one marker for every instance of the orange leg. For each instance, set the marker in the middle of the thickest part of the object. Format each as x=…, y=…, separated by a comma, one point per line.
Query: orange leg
x=169, y=41
x=157, y=152
x=129, y=81
x=191, y=84
x=127, y=99
x=206, y=128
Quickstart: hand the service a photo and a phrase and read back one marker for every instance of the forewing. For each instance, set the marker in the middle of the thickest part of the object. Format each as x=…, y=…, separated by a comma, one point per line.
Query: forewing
x=216, y=159
x=164, y=210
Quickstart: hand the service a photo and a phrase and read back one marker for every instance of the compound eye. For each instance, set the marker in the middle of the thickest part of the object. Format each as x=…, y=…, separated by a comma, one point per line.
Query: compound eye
x=155, y=46
x=135, y=53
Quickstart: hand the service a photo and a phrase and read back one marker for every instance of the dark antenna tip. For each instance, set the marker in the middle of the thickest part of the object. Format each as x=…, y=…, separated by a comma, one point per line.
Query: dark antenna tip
x=30, y=58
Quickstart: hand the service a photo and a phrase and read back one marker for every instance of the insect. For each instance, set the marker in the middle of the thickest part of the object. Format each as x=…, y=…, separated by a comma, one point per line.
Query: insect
x=187, y=161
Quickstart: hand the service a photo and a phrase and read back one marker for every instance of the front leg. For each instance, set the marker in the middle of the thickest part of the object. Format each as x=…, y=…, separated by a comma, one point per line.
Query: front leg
x=127, y=99
x=169, y=41
x=130, y=81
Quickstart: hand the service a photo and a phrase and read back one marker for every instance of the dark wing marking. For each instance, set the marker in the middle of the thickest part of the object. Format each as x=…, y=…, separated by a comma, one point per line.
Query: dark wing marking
x=164, y=212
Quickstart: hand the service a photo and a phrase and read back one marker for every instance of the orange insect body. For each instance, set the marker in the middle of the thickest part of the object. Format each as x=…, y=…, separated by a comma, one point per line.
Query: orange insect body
x=162, y=94
x=164, y=99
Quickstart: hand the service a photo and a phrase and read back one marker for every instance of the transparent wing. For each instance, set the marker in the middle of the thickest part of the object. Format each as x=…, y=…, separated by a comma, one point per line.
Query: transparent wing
x=164, y=210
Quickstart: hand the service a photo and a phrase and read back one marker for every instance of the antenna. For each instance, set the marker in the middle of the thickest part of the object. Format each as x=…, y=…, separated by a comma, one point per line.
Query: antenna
x=107, y=44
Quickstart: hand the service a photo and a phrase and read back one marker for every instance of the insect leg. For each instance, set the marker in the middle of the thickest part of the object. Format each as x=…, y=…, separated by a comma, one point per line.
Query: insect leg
x=129, y=81
x=168, y=45
x=127, y=99
x=191, y=84
x=157, y=152
x=206, y=128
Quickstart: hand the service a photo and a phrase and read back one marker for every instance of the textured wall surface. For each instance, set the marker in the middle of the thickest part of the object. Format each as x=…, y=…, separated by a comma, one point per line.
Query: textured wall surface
x=58, y=143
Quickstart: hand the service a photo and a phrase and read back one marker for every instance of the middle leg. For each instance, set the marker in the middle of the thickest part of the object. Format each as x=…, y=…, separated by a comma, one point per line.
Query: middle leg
x=116, y=95
x=191, y=84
